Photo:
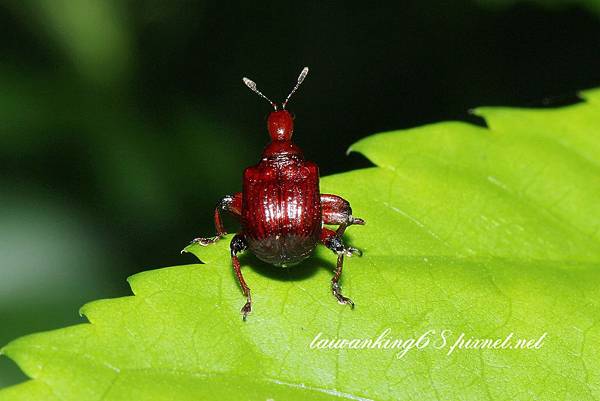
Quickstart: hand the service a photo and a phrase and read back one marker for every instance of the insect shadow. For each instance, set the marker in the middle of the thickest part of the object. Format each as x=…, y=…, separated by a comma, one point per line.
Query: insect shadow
x=302, y=271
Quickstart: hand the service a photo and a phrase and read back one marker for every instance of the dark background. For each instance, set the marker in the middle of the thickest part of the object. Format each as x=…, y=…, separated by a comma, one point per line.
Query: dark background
x=122, y=123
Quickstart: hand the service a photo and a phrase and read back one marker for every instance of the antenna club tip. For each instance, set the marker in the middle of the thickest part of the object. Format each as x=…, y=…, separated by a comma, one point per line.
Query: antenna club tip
x=252, y=85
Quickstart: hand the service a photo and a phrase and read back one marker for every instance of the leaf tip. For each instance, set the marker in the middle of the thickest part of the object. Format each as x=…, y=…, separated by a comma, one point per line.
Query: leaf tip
x=192, y=249
x=479, y=111
x=476, y=111
x=8, y=349
x=187, y=249
x=84, y=310
x=356, y=146
x=136, y=282
x=590, y=95
x=210, y=253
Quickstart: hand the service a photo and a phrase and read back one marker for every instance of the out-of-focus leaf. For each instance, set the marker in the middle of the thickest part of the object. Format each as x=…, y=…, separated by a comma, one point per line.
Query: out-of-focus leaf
x=50, y=262
x=92, y=33
x=592, y=5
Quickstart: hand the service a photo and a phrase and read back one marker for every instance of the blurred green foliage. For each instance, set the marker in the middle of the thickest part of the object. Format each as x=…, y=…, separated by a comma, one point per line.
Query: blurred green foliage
x=592, y=5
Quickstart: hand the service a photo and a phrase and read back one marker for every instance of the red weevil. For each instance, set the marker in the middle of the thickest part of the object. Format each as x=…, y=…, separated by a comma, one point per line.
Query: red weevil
x=281, y=209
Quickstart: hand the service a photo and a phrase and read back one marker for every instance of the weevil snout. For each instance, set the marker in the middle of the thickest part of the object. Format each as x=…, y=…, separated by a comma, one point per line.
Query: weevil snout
x=280, y=125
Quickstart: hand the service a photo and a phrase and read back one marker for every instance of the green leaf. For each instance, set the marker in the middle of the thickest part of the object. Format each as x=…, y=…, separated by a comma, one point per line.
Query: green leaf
x=485, y=232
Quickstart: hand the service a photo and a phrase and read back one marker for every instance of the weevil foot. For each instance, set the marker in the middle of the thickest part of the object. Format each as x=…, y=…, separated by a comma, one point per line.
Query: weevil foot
x=336, y=290
x=349, y=251
x=356, y=220
x=246, y=310
x=206, y=241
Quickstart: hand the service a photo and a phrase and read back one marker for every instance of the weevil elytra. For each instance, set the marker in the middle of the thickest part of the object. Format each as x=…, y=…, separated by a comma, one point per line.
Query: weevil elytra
x=281, y=209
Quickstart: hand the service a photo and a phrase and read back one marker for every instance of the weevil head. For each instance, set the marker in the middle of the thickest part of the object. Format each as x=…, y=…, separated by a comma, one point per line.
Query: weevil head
x=280, y=125
x=280, y=122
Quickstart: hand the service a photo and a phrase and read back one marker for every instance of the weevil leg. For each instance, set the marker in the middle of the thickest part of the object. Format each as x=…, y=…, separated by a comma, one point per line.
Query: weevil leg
x=332, y=240
x=239, y=244
x=337, y=211
x=229, y=203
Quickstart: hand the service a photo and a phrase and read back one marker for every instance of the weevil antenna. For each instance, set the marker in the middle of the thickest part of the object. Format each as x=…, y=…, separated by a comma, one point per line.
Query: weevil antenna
x=301, y=77
x=252, y=85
